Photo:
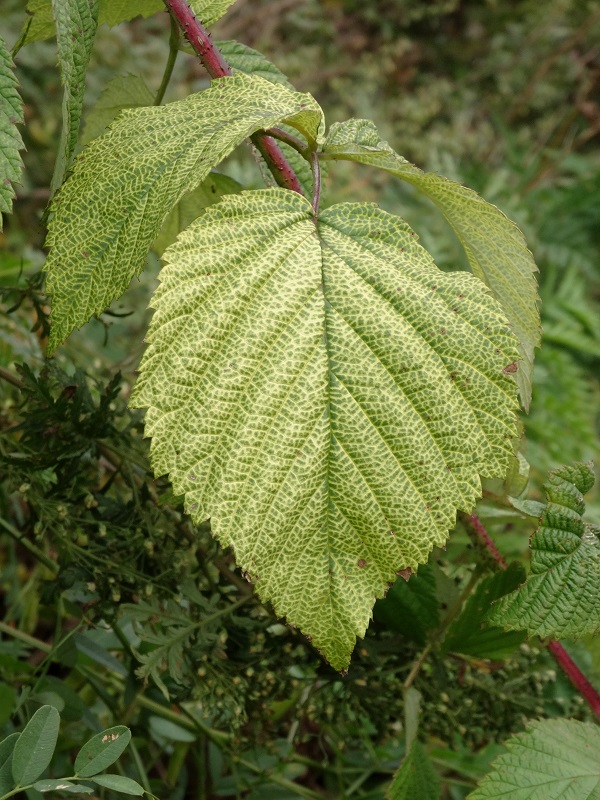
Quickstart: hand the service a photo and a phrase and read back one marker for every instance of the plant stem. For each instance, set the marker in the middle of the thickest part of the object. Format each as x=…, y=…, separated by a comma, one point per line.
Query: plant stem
x=315, y=168
x=217, y=67
x=31, y=641
x=173, y=50
x=35, y=551
x=563, y=659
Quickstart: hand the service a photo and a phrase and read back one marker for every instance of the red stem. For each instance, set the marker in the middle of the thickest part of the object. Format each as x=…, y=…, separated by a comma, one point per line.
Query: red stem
x=216, y=66
x=563, y=659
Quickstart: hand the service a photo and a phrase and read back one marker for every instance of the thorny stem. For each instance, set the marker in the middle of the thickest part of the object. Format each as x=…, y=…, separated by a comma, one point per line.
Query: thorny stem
x=563, y=659
x=173, y=51
x=217, y=67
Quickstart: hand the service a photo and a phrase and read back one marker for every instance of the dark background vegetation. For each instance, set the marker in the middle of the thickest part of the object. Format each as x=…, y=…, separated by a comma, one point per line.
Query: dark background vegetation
x=115, y=609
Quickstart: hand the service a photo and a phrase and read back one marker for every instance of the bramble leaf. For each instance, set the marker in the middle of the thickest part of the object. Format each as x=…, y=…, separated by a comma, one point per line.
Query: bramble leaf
x=561, y=596
x=495, y=247
x=554, y=759
x=11, y=113
x=210, y=11
x=416, y=779
x=76, y=22
x=324, y=394
x=124, y=184
x=41, y=26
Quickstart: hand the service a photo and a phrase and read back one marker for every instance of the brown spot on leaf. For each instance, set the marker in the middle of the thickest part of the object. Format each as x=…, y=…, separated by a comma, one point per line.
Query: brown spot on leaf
x=361, y=563
x=510, y=368
x=404, y=573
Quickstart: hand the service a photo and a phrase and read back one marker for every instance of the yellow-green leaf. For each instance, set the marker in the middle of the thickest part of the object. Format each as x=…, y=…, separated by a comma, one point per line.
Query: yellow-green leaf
x=326, y=395
x=11, y=114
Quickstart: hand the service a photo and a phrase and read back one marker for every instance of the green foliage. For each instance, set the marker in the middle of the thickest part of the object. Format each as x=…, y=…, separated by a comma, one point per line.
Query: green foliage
x=125, y=184
x=76, y=22
x=288, y=311
x=495, y=247
x=209, y=11
x=125, y=91
x=554, y=759
x=35, y=746
x=561, y=595
x=11, y=113
x=416, y=779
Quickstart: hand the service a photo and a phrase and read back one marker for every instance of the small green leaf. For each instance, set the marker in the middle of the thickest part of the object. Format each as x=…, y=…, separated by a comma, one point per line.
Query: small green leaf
x=7, y=747
x=124, y=184
x=561, y=596
x=416, y=779
x=118, y=783
x=62, y=786
x=324, y=377
x=554, y=759
x=467, y=634
x=35, y=747
x=76, y=22
x=11, y=113
x=125, y=91
x=495, y=247
x=210, y=11
x=101, y=751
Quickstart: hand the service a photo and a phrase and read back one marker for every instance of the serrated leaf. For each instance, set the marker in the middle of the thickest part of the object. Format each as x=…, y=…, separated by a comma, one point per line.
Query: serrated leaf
x=119, y=783
x=7, y=747
x=101, y=751
x=41, y=26
x=191, y=206
x=411, y=607
x=35, y=746
x=554, y=759
x=495, y=247
x=61, y=786
x=124, y=184
x=561, y=596
x=125, y=91
x=416, y=779
x=326, y=397
x=210, y=11
x=467, y=634
x=76, y=22
x=11, y=114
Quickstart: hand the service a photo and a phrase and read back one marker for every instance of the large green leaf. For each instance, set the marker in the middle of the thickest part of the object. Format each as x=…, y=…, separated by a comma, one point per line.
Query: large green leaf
x=209, y=11
x=124, y=184
x=76, y=22
x=554, y=759
x=11, y=113
x=495, y=247
x=324, y=394
x=41, y=26
x=416, y=779
x=561, y=596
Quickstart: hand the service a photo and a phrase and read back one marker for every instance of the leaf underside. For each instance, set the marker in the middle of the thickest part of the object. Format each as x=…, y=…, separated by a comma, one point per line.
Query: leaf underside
x=494, y=246
x=123, y=185
x=326, y=396
x=561, y=596
x=11, y=113
x=554, y=759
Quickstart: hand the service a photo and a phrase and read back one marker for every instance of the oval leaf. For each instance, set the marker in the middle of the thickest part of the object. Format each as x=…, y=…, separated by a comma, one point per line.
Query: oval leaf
x=554, y=759
x=118, y=783
x=62, y=786
x=326, y=395
x=7, y=747
x=35, y=746
x=101, y=751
